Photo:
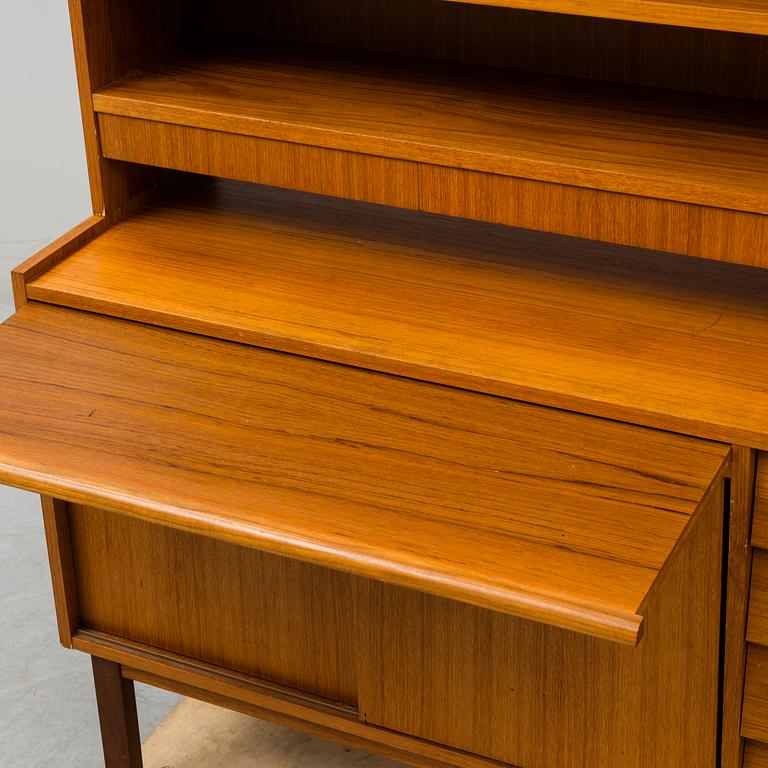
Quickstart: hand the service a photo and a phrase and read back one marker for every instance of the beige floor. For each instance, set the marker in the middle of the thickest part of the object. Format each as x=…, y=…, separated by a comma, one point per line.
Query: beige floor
x=197, y=735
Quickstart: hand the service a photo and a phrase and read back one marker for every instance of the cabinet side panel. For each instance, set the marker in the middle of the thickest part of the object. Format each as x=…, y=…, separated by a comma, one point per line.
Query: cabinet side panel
x=65, y=598
x=743, y=465
x=262, y=615
x=535, y=696
x=110, y=37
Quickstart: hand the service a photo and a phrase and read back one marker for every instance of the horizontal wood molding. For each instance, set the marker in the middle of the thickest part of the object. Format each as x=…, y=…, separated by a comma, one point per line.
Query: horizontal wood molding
x=253, y=697
x=543, y=318
x=274, y=452
x=740, y=16
x=662, y=225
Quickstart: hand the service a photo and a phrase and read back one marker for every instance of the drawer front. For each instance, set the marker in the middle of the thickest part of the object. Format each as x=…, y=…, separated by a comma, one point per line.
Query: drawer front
x=277, y=619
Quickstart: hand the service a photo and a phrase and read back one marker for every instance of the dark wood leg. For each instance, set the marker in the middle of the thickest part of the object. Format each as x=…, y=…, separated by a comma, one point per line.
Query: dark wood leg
x=119, y=721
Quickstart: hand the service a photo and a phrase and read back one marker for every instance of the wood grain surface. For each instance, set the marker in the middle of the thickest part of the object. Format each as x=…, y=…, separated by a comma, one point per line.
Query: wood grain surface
x=756, y=755
x=538, y=697
x=662, y=225
x=510, y=506
x=672, y=343
x=754, y=722
x=684, y=59
x=737, y=601
x=643, y=142
x=272, y=618
x=760, y=520
x=739, y=16
x=63, y=580
x=757, y=630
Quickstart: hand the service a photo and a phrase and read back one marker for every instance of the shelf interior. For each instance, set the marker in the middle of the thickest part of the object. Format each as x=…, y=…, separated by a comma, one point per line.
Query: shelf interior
x=675, y=343
x=654, y=143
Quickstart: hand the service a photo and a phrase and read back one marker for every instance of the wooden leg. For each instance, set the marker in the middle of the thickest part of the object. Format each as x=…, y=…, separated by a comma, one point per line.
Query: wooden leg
x=119, y=721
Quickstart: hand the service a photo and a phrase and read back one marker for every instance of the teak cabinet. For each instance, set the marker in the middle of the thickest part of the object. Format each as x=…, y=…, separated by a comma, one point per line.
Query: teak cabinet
x=409, y=384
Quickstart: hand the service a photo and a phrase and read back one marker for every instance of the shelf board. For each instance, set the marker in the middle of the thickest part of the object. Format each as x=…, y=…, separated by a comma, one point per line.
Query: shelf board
x=474, y=498
x=675, y=343
x=749, y=16
x=656, y=144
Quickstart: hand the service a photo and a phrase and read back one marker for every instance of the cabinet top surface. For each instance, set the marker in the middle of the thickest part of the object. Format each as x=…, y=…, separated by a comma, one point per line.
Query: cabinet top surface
x=540, y=513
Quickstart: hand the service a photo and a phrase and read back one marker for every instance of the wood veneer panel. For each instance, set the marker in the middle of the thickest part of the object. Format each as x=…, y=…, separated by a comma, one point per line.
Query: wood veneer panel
x=693, y=60
x=760, y=522
x=739, y=565
x=643, y=142
x=673, y=343
x=757, y=631
x=754, y=722
x=534, y=696
x=63, y=580
x=756, y=755
x=740, y=16
x=235, y=691
x=266, y=616
x=479, y=501
x=110, y=37
x=661, y=225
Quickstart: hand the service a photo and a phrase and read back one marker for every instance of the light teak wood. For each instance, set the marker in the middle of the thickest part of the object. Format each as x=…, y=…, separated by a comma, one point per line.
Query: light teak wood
x=663, y=225
x=737, y=602
x=343, y=468
x=267, y=617
x=227, y=689
x=701, y=151
x=741, y=16
x=676, y=344
x=755, y=755
x=758, y=599
x=760, y=524
x=63, y=578
x=754, y=723
x=496, y=684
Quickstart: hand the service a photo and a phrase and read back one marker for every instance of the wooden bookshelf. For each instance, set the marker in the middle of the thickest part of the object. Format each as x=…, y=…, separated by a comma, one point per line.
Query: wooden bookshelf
x=558, y=321
x=558, y=133
x=409, y=383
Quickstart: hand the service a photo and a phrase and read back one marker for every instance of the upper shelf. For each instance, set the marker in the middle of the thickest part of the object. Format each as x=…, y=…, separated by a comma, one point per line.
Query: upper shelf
x=675, y=343
x=730, y=16
x=509, y=506
x=655, y=144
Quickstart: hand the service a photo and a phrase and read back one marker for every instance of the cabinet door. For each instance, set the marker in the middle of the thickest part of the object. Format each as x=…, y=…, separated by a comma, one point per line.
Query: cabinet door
x=537, y=696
